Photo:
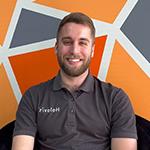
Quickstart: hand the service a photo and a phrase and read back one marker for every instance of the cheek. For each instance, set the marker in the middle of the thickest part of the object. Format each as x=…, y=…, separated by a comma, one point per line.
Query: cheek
x=86, y=52
x=62, y=53
x=64, y=49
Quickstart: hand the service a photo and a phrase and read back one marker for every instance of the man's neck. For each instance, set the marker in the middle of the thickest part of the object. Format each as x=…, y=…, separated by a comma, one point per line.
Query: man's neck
x=73, y=83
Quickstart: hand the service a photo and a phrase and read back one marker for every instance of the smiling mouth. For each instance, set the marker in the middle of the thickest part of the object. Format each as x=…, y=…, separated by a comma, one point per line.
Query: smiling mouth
x=73, y=59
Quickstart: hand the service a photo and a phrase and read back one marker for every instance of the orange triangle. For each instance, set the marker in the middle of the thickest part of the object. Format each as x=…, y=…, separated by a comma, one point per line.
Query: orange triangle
x=104, y=10
x=6, y=11
x=98, y=52
x=8, y=103
x=125, y=73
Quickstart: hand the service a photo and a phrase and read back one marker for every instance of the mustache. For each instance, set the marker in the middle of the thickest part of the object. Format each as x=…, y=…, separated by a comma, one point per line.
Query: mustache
x=73, y=56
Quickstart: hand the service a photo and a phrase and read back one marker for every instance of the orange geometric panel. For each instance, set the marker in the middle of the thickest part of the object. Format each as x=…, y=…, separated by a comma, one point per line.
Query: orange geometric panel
x=125, y=73
x=98, y=52
x=104, y=10
x=8, y=103
x=34, y=67
x=6, y=10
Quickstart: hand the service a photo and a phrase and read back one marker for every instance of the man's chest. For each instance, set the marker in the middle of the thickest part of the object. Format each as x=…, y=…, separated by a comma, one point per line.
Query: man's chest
x=61, y=114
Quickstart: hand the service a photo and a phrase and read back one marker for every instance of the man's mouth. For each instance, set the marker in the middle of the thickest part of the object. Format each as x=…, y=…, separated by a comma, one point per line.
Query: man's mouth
x=73, y=59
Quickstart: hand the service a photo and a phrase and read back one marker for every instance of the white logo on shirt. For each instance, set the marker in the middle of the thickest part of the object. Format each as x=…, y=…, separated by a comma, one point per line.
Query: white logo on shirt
x=49, y=110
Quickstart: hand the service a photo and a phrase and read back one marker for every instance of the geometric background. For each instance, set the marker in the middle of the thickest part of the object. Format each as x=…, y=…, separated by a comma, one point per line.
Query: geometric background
x=32, y=22
x=27, y=57
x=137, y=27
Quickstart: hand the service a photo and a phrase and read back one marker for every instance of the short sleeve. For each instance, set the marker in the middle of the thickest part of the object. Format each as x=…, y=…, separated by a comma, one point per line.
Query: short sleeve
x=26, y=115
x=123, y=124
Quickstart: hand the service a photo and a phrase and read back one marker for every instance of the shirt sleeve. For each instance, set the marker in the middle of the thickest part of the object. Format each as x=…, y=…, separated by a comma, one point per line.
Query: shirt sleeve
x=123, y=124
x=26, y=116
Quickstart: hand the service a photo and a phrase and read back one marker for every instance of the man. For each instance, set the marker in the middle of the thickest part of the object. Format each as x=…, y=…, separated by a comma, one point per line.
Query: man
x=74, y=110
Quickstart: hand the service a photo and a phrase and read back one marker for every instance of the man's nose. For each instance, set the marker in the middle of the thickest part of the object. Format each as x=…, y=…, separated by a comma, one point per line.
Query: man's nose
x=75, y=48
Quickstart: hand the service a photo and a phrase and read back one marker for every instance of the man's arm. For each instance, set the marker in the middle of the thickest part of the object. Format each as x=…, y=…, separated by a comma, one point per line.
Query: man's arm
x=23, y=142
x=123, y=144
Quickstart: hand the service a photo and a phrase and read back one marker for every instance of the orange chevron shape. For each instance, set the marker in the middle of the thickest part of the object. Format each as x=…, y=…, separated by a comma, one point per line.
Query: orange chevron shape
x=6, y=10
x=98, y=52
x=104, y=10
x=34, y=67
x=8, y=103
x=125, y=73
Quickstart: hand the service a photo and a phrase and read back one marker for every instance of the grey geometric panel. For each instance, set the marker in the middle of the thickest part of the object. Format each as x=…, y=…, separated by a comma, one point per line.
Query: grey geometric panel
x=34, y=27
x=137, y=27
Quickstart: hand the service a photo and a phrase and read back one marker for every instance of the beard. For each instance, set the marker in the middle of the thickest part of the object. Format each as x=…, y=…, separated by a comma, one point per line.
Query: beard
x=73, y=71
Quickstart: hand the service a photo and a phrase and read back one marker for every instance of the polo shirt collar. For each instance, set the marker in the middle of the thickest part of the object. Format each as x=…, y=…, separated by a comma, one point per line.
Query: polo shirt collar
x=87, y=85
x=57, y=84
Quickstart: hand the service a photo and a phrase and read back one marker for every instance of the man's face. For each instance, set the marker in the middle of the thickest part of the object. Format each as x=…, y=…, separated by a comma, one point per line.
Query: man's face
x=74, y=48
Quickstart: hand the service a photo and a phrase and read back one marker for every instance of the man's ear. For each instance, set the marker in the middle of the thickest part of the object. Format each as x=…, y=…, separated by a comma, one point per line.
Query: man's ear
x=56, y=48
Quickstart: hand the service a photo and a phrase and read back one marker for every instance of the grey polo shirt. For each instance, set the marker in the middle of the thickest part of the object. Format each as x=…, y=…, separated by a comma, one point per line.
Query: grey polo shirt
x=84, y=120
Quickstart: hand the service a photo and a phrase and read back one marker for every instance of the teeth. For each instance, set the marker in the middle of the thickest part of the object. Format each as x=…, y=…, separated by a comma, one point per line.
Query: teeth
x=74, y=60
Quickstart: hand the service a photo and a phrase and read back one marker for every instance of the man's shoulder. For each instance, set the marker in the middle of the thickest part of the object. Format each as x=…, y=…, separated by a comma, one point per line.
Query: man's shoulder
x=109, y=90
x=104, y=85
x=41, y=87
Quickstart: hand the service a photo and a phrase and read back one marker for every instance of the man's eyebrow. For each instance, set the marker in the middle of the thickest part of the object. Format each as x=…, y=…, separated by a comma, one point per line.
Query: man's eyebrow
x=69, y=38
x=84, y=39
x=66, y=38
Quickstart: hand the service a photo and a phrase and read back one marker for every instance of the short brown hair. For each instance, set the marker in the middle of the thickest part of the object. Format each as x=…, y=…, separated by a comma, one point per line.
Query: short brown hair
x=79, y=18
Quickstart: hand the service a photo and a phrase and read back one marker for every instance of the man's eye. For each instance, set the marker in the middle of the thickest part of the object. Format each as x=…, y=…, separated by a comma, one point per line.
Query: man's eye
x=83, y=43
x=67, y=42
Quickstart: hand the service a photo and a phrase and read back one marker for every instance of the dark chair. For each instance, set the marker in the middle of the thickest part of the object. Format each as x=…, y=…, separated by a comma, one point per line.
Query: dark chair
x=6, y=136
x=143, y=132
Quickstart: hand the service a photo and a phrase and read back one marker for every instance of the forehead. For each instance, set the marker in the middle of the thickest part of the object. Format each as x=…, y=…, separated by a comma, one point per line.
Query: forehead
x=74, y=29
